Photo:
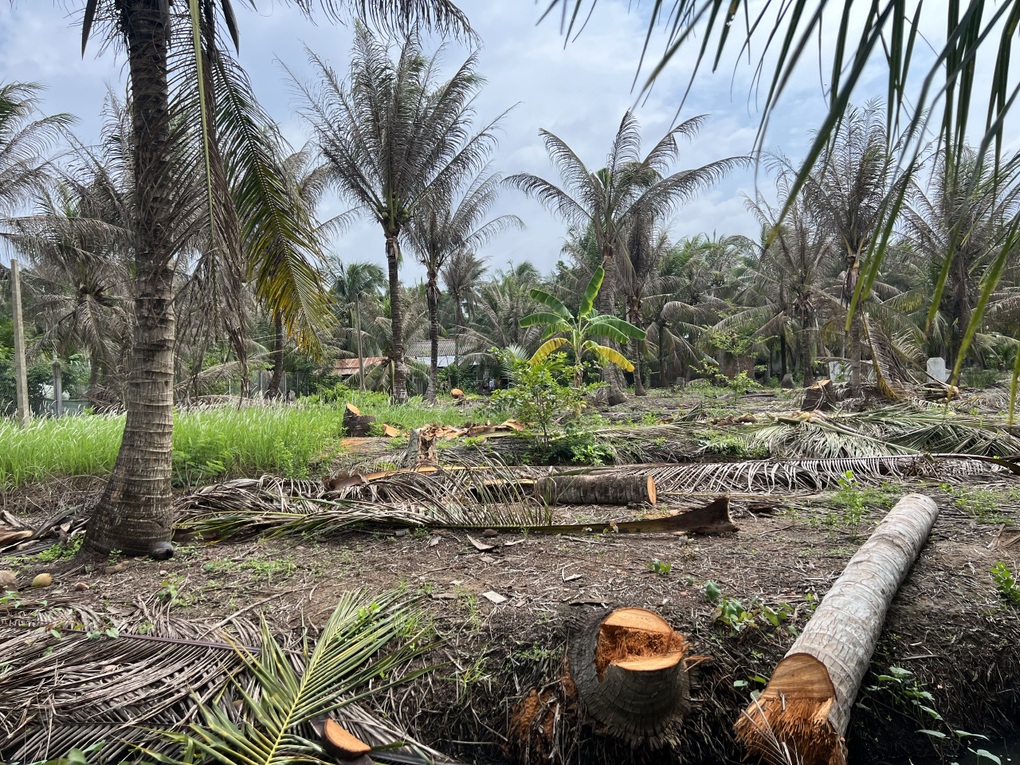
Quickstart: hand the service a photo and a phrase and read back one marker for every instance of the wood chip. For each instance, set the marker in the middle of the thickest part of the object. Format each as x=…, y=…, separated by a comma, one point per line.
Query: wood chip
x=479, y=545
x=494, y=597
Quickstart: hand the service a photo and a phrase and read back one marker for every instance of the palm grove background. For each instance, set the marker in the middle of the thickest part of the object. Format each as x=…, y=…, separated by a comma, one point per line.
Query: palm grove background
x=184, y=254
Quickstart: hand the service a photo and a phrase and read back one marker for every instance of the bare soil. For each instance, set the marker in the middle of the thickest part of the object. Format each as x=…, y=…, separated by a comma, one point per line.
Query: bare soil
x=948, y=625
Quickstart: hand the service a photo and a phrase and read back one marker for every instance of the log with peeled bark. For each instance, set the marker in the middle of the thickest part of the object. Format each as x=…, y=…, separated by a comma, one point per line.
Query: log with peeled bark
x=806, y=704
x=595, y=490
x=630, y=675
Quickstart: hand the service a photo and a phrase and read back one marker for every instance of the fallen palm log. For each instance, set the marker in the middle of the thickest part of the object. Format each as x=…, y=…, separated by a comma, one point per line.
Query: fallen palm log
x=806, y=705
x=595, y=490
x=631, y=679
x=713, y=518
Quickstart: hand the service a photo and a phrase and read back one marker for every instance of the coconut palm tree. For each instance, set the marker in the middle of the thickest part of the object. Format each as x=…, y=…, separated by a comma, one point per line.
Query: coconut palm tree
x=939, y=90
x=462, y=276
x=855, y=182
x=605, y=201
x=395, y=138
x=443, y=228
x=134, y=512
x=958, y=222
x=354, y=281
x=24, y=140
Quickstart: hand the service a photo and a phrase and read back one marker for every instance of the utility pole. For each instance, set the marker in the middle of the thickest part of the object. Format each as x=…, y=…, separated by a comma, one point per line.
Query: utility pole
x=20, y=379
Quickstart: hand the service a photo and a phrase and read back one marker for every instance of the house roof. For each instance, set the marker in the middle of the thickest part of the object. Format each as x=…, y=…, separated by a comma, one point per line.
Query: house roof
x=350, y=366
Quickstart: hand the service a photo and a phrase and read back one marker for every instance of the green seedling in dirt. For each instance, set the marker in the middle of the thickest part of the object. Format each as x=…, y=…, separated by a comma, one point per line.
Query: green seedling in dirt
x=659, y=567
x=1005, y=583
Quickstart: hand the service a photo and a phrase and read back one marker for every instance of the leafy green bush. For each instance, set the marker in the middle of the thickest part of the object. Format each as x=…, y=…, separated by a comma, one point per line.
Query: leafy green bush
x=540, y=394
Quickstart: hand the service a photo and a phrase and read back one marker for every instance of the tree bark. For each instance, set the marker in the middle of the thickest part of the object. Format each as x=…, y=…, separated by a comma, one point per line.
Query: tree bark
x=20, y=369
x=357, y=424
x=276, y=381
x=629, y=671
x=807, y=703
x=398, y=394
x=634, y=317
x=595, y=490
x=432, y=297
x=606, y=304
x=135, y=511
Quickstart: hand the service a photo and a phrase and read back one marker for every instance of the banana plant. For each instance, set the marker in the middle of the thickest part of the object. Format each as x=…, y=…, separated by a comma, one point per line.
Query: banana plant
x=576, y=331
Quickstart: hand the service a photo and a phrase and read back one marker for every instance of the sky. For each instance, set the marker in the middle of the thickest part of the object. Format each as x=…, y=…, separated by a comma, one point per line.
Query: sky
x=579, y=91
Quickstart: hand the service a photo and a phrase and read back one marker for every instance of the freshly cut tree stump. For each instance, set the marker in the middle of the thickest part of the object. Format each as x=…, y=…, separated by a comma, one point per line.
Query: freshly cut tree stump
x=819, y=397
x=630, y=676
x=807, y=703
x=355, y=423
x=596, y=490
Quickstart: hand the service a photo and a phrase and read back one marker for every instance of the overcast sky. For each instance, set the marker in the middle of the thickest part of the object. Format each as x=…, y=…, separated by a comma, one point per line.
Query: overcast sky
x=579, y=92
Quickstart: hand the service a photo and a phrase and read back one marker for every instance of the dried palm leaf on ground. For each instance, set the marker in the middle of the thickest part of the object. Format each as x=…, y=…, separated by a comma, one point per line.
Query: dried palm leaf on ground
x=783, y=476
x=244, y=694
x=904, y=429
x=267, y=508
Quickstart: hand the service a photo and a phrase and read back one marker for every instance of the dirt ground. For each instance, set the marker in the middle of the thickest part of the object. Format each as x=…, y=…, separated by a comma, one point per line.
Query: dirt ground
x=948, y=625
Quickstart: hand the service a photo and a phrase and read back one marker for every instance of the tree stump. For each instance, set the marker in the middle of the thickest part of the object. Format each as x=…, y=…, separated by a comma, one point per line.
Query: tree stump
x=357, y=424
x=628, y=669
x=819, y=397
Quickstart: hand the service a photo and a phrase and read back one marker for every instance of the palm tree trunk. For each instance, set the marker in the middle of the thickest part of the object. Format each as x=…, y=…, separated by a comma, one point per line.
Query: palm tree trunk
x=662, y=356
x=134, y=513
x=399, y=392
x=611, y=374
x=638, y=347
x=276, y=381
x=460, y=328
x=432, y=296
x=361, y=351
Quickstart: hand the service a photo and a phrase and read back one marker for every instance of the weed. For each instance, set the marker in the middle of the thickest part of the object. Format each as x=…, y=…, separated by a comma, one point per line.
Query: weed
x=983, y=505
x=1005, y=583
x=659, y=567
x=61, y=550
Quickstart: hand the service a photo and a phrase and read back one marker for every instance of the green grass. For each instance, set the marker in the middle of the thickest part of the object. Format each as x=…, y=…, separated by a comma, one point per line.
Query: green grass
x=414, y=414
x=208, y=443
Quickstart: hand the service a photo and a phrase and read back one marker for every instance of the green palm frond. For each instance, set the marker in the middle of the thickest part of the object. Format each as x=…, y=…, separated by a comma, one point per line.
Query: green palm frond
x=355, y=655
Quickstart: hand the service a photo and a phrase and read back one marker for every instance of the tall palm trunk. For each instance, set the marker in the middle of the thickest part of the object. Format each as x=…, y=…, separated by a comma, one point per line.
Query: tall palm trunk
x=855, y=353
x=276, y=381
x=960, y=311
x=634, y=317
x=399, y=393
x=460, y=328
x=432, y=296
x=662, y=355
x=135, y=511
x=611, y=374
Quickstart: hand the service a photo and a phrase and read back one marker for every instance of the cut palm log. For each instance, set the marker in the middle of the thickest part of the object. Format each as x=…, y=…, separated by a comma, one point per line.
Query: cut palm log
x=807, y=703
x=596, y=490
x=630, y=676
x=355, y=423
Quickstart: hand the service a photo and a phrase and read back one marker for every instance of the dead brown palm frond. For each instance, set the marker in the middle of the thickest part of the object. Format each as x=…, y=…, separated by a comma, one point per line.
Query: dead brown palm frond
x=83, y=683
x=904, y=429
x=784, y=476
x=85, y=678
x=891, y=377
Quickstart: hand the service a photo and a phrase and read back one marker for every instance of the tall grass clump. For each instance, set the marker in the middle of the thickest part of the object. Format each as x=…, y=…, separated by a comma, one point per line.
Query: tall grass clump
x=208, y=443
x=414, y=414
x=283, y=440
x=67, y=446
